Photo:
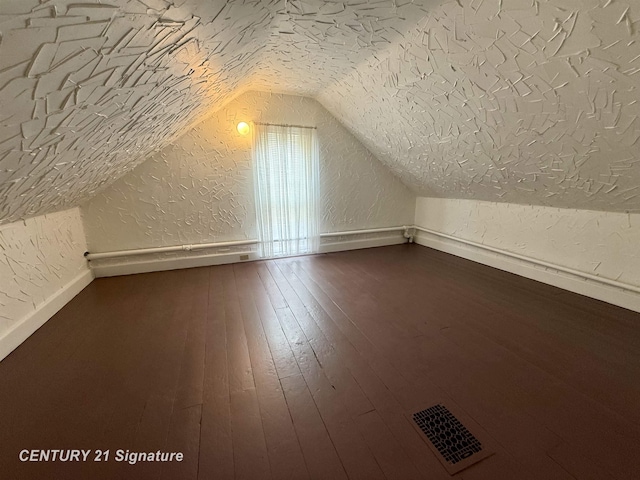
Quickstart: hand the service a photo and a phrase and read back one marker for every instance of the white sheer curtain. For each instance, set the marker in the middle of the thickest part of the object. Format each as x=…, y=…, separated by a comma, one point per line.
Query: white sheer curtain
x=286, y=179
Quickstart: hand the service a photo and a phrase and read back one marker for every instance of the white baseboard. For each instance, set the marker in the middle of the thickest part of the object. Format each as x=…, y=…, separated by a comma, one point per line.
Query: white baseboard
x=573, y=282
x=32, y=322
x=361, y=243
x=126, y=266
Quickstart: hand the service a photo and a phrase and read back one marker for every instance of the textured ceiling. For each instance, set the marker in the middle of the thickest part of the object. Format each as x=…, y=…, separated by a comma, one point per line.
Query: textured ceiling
x=521, y=101
x=525, y=101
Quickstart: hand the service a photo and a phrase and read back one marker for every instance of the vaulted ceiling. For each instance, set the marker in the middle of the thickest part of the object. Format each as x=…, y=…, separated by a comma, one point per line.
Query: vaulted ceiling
x=525, y=101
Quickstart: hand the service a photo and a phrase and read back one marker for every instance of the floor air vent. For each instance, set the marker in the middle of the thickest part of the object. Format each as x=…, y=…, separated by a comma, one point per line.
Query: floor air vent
x=456, y=446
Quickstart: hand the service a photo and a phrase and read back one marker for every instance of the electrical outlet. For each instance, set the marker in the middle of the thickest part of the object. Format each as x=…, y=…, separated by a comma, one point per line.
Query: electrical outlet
x=244, y=257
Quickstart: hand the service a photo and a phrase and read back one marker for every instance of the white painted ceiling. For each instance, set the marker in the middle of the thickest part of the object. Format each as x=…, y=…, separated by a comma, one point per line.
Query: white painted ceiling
x=524, y=101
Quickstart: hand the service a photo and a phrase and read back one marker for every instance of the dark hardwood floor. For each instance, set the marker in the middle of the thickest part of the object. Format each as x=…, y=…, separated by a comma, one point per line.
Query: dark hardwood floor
x=306, y=368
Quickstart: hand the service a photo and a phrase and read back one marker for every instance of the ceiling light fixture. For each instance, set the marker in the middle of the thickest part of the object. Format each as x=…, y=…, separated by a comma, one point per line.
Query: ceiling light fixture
x=243, y=128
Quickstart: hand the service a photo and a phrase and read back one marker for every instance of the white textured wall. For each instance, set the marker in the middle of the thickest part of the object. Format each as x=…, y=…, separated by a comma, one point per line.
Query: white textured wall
x=39, y=257
x=606, y=244
x=200, y=188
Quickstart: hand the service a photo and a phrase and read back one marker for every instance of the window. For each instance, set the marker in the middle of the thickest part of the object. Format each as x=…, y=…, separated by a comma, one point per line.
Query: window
x=286, y=173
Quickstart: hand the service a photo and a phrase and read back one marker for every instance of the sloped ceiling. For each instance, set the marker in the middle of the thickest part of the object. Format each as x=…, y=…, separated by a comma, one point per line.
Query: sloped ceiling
x=526, y=101
x=522, y=101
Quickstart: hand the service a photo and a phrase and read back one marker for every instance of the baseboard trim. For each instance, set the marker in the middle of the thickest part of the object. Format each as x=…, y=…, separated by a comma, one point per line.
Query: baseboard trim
x=32, y=322
x=620, y=295
x=361, y=243
x=127, y=267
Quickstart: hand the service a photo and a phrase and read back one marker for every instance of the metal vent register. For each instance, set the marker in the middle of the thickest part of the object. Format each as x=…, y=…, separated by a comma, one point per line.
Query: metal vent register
x=456, y=446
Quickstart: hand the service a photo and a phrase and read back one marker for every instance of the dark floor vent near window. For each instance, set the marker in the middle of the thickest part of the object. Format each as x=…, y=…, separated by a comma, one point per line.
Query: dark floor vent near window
x=456, y=445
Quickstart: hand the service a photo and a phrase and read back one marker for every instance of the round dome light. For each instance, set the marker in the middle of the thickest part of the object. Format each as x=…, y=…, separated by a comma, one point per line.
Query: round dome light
x=243, y=128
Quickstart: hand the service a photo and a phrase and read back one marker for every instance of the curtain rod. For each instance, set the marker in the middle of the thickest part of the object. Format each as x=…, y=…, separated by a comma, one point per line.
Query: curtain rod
x=283, y=125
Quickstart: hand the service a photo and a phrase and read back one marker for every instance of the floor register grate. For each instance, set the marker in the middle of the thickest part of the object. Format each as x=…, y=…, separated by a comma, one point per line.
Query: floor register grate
x=455, y=444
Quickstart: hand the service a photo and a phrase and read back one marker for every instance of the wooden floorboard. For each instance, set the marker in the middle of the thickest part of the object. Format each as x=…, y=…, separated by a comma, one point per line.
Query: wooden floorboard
x=465, y=378
x=216, y=443
x=326, y=383
x=285, y=455
x=250, y=456
x=537, y=386
x=309, y=368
